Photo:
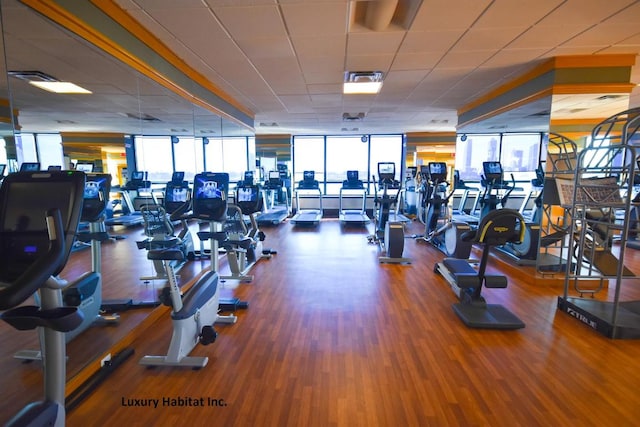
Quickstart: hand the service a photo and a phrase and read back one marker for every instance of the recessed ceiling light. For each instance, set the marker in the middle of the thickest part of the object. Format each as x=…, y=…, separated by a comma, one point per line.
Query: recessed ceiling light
x=362, y=82
x=60, y=87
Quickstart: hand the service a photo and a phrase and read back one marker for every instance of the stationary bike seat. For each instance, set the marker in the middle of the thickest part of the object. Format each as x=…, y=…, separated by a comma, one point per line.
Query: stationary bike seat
x=169, y=254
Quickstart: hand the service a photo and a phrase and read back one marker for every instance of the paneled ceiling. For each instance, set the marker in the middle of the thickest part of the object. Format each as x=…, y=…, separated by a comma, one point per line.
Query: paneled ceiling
x=284, y=60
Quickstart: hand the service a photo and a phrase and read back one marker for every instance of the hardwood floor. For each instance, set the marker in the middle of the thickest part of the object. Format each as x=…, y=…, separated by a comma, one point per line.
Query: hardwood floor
x=331, y=337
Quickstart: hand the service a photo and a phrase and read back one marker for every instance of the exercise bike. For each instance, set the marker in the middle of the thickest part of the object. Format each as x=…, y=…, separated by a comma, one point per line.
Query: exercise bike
x=39, y=216
x=496, y=228
x=389, y=235
x=194, y=313
x=85, y=292
x=159, y=226
x=244, y=245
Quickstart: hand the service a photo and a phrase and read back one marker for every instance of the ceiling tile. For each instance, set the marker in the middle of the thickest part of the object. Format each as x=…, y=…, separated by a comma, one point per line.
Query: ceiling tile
x=312, y=18
x=448, y=15
x=251, y=22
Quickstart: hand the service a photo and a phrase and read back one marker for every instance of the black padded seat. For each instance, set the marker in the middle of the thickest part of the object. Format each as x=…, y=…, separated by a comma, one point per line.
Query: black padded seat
x=166, y=243
x=168, y=254
x=244, y=243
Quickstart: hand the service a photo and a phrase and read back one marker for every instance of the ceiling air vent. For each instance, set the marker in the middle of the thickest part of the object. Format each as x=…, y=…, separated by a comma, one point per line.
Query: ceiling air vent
x=543, y=113
x=141, y=116
x=608, y=97
x=348, y=117
x=32, y=76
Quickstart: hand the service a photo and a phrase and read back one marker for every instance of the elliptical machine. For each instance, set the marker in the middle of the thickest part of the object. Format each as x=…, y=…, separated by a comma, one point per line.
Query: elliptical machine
x=39, y=215
x=526, y=251
x=447, y=236
x=194, y=314
x=493, y=182
x=389, y=235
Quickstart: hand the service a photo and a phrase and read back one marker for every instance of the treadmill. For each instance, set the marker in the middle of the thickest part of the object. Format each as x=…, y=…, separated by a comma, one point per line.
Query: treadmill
x=353, y=188
x=274, y=212
x=309, y=188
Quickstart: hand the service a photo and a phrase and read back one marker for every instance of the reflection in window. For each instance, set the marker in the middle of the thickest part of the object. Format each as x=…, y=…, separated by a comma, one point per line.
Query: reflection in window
x=519, y=155
x=471, y=153
x=345, y=153
x=188, y=156
x=308, y=155
x=386, y=148
x=153, y=155
x=227, y=155
x=213, y=155
x=26, y=148
x=49, y=148
x=234, y=155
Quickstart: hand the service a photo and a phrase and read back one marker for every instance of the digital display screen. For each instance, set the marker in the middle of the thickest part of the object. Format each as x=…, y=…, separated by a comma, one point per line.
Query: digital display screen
x=24, y=210
x=386, y=168
x=438, y=168
x=308, y=175
x=247, y=194
x=93, y=188
x=177, y=177
x=138, y=176
x=30, y=167
x=85, y=167
x=177, y=194
x=493, y=169
x=352, y=175
x=206, y=188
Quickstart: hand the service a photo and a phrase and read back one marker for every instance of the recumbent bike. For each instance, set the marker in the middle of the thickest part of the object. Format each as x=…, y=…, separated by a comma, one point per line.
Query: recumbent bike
x=496, y=228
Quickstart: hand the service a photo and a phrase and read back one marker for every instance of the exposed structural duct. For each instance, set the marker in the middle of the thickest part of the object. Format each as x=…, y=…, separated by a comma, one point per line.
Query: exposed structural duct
x=379, y=13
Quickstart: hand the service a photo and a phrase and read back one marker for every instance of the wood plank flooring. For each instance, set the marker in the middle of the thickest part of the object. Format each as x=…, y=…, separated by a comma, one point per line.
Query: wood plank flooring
x=332, y=338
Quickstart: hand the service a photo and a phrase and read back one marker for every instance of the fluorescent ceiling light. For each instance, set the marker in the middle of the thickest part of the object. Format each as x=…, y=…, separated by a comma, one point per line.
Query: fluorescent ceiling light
x=60, y=87
x=362, y=87
x=365, y=82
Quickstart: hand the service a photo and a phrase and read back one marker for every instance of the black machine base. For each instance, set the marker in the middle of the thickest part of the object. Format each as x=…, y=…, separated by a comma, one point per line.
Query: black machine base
x=118, y=305
x=232, y=304
x=598, y=315
x=489, y=316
